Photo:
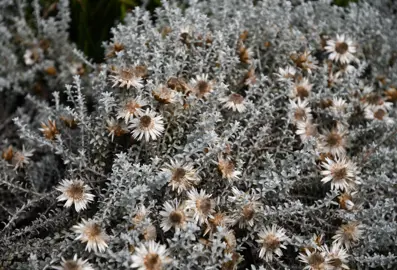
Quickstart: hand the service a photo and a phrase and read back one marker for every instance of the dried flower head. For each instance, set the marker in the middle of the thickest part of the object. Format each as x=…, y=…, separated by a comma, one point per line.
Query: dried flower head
x=306, y=130
x=90, y=232
x=75, y=192
x=316, y=260
x=301, y=89
x=299, y=111
x=348, y=234
x=337, y=257
x=219, y=219
x=49, y=130
x=22, y=158
x=378, y=113
x=173, y=216
x=131, y=107
x=341, y=172
x=126, y=77
x=305, y=61
x=164, y=94
x=150, y=256
x=115, y=129
x=182, y=175
x=286, y=74
x=272, y=240
x=201, y=205
x=74, y=264
x=234, y=102
x=391, y=94
x=8, y=154
x=201, y=86
x=341, y=50
x=227, y=168
x=148, y=125
x=333, y=141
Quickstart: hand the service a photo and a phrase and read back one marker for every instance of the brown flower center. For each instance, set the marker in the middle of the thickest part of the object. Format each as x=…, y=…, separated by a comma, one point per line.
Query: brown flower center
x=178, y=174
x=146, y=122
x=132, y=106
x=302, y=92
x=334, y=139
x=341, y=47
x=152, y=261
x=204, y=205
x=316, y=260
x=176, y=217
x=340, y=173
x=336, y=262
x=71, y=265
x=75, y=191
x=272, y=242
x=300, y=114
x=203, y=87
x=93, y=231
x=248, y=212
x=236, y=98
x=379, y=114
x=126, y=74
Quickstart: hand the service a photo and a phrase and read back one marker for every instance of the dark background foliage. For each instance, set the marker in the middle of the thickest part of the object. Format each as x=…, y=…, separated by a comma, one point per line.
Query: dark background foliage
x=92, y=20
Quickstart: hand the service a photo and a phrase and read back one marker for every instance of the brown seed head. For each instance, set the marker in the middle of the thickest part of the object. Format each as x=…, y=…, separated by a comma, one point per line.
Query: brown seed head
x=341, y=47
x=50, y=130
x=152, y=261
x=8, y=154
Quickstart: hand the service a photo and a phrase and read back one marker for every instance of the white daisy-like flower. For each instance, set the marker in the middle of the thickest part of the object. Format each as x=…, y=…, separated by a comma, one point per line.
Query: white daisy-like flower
x=306, y=130
x=227, y=168
x=286, y=74
x=31, y=56
x=248, y=207
x=150, y=256
x=148, y=125
x=378, y=113
x=348, y=234
x=22, y=158
x=201, y=204
x=316, y=260
x=337, y=257
x=126, y=77
x=201, y=86
x=115, y=129
x=75, y=192
x=300, y=111
x=90, y=232
x=338, y=106
x=272, y=240
x=182, y=175
x=74, y=264
x=333, y=141
x=341, y=172
x=234, y=102
x=173, y=216
x=341, y=50
x=132, y=107
x=301, y=89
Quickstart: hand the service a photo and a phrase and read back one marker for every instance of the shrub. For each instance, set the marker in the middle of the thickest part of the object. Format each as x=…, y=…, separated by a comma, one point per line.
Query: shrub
x=226, y=135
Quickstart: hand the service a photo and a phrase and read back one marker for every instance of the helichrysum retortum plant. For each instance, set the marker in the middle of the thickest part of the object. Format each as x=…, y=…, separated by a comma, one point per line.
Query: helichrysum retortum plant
x=225, y=135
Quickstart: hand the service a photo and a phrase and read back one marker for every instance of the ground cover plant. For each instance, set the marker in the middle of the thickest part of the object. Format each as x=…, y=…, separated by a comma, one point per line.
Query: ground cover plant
x=214, y=135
